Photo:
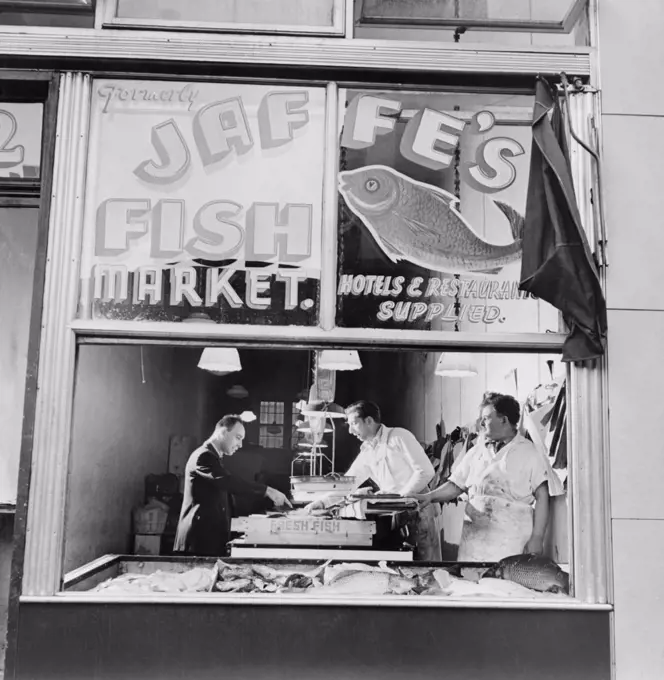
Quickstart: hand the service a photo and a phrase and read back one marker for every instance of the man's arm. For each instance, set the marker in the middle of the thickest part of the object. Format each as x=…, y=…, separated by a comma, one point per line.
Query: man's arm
x=535, y=544
x=423, y=471
x=443, y=494
x=209, y=467
x=358, y=469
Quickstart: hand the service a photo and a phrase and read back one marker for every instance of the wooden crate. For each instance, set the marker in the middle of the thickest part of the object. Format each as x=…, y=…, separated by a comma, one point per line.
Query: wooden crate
x=305, y=530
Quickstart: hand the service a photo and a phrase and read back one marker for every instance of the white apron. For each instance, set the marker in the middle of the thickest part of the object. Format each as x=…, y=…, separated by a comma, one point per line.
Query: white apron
x=495, y=525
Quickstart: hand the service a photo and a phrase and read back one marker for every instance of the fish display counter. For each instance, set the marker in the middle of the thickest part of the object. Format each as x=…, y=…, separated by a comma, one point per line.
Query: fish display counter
x=518, y=577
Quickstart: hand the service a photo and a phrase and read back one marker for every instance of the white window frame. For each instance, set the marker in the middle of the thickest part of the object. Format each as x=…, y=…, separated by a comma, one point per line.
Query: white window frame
x=586, y=384
x=565, y=25
x=106, y=17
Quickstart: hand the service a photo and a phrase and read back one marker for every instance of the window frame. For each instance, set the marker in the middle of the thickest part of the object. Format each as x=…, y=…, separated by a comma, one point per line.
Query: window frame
x=565, y=25
x=106, y=17
x=61, y=334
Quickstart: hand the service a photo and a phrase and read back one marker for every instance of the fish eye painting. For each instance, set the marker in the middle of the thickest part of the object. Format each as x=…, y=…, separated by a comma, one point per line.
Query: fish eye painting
x=432, y=192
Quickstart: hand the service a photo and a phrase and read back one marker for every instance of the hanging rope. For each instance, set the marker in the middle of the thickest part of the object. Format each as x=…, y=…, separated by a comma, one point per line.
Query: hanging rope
x=457, y=194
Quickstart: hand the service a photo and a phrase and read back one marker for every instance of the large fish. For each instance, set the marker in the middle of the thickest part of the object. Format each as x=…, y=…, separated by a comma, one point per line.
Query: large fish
x=532, y=571
x=420, y=223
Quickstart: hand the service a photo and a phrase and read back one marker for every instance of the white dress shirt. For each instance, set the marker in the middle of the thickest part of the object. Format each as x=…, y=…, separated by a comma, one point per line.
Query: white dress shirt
x=394, y=460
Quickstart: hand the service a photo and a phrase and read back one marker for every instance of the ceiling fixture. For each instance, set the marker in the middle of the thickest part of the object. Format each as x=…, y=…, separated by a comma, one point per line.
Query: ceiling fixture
x=309, y=429
x=220, y=360
x=322, y=409
x=339, y=360
x=237, y=392
x=456, y=365
x=247, y=416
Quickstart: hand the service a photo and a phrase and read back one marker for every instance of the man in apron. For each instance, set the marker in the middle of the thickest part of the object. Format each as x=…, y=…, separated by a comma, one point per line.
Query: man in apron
x=508, y=483
x=394, y=459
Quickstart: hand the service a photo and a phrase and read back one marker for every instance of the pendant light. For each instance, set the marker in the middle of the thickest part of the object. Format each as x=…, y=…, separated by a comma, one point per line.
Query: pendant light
x=322, y=409
x=339, y=360
x=237, y=392
x=220, y=360
x=456, y=365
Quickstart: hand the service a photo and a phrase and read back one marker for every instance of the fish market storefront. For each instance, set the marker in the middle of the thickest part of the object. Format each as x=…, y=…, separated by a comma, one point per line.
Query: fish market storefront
x=229, y=237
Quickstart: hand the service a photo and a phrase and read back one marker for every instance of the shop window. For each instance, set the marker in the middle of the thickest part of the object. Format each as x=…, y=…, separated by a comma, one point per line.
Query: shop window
x=20, y=141
x=54, y=13
x=509, y=22
x=264, y=263
x=115, y=453
x=272, y=16
x=432, y=197
x=20, y=152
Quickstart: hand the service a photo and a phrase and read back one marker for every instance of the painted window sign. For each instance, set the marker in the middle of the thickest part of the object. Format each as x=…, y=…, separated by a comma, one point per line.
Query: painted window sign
x=20, y=140
x=432, y=193
x=204, y=202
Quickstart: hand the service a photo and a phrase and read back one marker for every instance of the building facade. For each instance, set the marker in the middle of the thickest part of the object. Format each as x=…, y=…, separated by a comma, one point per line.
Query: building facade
x=179, y=148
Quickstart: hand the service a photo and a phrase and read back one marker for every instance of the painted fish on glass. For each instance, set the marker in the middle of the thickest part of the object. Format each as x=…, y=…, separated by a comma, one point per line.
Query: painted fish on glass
x=421, y=223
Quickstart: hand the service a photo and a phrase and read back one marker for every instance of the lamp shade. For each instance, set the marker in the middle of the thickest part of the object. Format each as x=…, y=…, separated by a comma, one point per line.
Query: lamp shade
x=238, y=392
x=308, y=430
x=323, y=409
x=456, y=365
x=220, y=360
x=339, y=360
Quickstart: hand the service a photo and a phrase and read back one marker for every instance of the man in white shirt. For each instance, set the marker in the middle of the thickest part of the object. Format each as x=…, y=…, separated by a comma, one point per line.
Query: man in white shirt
x=393, y=458
x=508, y=482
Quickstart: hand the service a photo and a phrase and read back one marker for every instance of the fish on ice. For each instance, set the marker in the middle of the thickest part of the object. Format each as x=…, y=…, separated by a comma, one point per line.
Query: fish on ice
x=421, y=224
x=532, y=571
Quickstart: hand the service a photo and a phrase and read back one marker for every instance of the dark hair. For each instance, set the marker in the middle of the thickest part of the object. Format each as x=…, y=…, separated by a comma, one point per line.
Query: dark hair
x=228, y=422
x=365, y=409
x=504, y=404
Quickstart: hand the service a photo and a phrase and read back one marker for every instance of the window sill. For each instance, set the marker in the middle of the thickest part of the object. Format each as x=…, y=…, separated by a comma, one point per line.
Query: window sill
x=543, y=602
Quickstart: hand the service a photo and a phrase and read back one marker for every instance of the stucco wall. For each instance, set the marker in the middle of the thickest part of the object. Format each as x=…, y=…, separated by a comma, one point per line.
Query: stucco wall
x=631, y=58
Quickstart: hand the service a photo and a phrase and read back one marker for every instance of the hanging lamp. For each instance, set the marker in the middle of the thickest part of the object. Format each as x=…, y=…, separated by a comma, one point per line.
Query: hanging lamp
x=322, y=409
x=220, y=360
x=237, y=392
x=456, y=365
x=339, y=360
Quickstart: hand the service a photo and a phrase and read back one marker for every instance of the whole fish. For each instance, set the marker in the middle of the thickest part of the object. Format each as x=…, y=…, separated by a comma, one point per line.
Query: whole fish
x=420, y=223
x=369, y=583
x=532, y=571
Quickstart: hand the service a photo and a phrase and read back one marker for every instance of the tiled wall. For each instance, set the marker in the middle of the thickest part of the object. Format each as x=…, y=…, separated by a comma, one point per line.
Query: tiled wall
x=631, y=67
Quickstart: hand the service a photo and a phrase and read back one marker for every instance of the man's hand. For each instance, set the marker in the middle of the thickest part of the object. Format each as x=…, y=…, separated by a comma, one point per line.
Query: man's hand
x=277, y=497
x=312, y=507
x=535, y=546
x=423, y=499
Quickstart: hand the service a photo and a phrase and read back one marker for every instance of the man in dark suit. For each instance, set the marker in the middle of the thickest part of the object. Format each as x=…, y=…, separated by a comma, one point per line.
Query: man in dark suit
x=205, y=519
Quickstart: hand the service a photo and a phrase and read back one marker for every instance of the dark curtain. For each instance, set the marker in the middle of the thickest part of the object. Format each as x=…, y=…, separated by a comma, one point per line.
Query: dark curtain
x=557, y=265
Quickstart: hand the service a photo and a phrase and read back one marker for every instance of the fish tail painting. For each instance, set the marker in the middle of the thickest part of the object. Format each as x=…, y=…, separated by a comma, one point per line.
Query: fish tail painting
x=516, y=220
x=421, y=224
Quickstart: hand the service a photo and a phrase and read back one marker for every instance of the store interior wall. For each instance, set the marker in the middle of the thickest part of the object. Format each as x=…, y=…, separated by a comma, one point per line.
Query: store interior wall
x=124, y=416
